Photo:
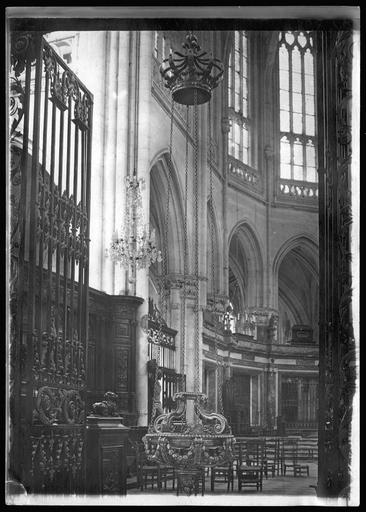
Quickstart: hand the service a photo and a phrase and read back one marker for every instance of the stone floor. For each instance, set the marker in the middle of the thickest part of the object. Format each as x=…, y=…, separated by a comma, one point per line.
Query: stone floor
x=279, y=485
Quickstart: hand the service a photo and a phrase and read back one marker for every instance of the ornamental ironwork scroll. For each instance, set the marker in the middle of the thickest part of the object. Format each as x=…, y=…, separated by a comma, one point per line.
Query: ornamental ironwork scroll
x=50, y=145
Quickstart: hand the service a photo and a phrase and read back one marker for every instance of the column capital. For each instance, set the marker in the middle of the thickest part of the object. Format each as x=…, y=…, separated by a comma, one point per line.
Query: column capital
x=225, y=124
x=221, y=301
x=176, y=282
x=263, y=315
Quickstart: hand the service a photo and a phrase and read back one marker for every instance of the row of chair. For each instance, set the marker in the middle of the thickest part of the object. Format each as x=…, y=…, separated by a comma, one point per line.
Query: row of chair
x=150, y=475
x=253, y=459
x=276, y=455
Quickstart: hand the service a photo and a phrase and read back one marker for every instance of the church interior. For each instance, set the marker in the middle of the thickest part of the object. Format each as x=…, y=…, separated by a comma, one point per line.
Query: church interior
x=179, y=258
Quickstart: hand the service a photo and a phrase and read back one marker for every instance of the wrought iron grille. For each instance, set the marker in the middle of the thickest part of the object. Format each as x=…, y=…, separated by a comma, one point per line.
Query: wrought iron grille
x=50, y=142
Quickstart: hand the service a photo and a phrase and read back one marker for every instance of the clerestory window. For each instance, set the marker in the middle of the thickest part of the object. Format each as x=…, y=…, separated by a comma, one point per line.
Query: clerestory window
x=297, y=106
x=239, y=139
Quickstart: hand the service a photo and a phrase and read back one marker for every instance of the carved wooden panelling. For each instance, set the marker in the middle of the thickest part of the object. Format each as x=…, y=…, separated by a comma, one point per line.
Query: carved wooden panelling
x=112, y=345
x=91, y=365
x=122, y=329
x=121, y=357
x=111, y=469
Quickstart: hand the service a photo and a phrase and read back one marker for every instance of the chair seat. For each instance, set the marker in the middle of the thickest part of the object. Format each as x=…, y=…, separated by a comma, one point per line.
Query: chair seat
x=167, y=473
x=250, y=467
x=250, y=475
x=252, y=472
x=149, y=475
x=152, y=467
x=298, y=468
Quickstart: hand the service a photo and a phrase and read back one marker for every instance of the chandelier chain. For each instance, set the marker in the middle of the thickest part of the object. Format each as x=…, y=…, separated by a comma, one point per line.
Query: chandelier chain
x=185, y=258
x=213, y=267
x=166, y=224
x=196, y=269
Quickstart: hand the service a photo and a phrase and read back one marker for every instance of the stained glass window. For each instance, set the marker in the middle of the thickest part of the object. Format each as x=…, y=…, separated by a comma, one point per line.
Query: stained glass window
x=238, y=98
x=297, y=106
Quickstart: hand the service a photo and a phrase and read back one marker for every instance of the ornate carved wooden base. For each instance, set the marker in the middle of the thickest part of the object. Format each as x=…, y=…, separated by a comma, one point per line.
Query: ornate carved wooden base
x=106, y=448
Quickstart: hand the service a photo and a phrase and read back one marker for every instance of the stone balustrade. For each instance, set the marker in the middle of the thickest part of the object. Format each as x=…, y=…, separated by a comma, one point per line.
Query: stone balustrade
x=247, y=175
x=298, y=189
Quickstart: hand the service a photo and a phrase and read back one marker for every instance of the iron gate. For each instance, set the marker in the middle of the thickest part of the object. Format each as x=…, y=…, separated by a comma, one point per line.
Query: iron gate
x=50, y=141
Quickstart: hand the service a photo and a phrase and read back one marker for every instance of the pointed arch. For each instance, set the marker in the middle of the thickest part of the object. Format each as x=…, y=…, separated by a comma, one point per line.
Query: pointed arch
x=305, y=241
x=296, y=283
x=158, y=203
x=251, y=263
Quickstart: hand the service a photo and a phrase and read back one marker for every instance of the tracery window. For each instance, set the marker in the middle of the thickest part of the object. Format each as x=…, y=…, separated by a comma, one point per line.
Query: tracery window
x=297, y=106
x=238, y=98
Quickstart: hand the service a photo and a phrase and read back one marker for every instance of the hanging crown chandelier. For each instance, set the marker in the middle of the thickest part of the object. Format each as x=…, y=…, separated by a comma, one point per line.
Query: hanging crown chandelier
x=204, y=439
x=193, y=73
x=134, y=244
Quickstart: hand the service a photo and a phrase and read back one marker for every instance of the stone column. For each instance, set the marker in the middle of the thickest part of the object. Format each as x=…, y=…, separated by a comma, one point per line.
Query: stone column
x=190, y=367
x=268, y=295
x=300, y=401
x=175, y=319
x=202, y=228
x=109, y=52
x=96, y=84
x=143, y=41
x=271, y=398
x=313, y=397
x=121, y=141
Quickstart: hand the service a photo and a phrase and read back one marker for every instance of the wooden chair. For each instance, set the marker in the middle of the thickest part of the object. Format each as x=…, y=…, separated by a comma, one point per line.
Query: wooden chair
x=236, y=454
x=223, y=474
x=255, y=452
x=167, y=474
x=291, y=459
x=148, y=473
x=250, y=468
x=250, y=476
x=272, y=456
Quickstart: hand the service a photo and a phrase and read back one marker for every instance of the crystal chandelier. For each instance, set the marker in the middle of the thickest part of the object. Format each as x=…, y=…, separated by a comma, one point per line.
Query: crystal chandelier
x=134, y=244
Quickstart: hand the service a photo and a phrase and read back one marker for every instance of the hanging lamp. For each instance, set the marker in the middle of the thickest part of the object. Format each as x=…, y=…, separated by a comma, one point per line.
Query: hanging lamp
x=134, y=244
x=206, y=440
x=191, y=76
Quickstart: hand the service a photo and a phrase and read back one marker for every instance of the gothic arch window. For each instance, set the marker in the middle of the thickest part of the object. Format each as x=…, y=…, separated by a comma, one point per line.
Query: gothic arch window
x=238, y=98
x=297, y=106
